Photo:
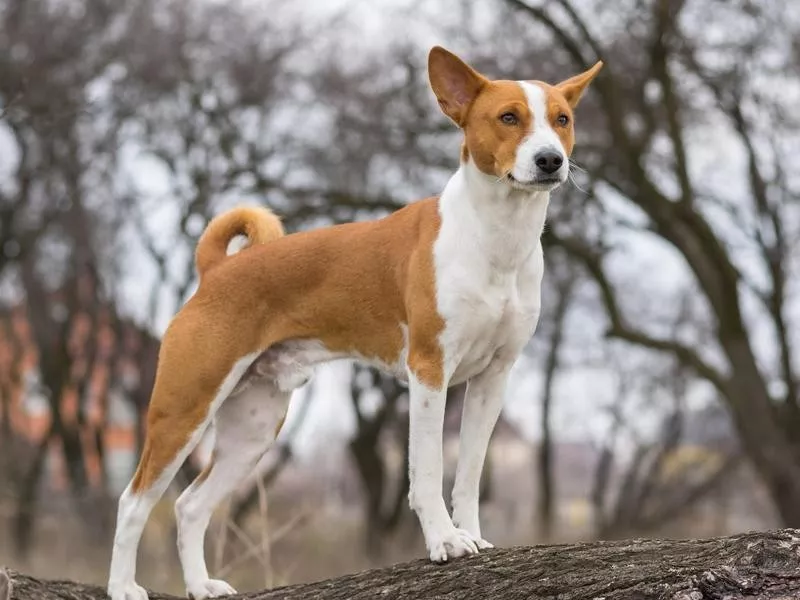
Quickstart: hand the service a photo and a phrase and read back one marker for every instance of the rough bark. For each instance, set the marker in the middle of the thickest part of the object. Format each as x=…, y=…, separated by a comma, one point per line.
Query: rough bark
x=753, y=566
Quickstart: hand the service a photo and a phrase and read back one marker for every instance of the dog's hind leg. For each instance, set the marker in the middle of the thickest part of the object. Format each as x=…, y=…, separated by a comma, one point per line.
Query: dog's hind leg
x=179, y=413
x=245, y=427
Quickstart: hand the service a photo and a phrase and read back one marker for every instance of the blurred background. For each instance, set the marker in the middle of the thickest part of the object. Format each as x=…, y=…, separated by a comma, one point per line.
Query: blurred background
x=659, y=396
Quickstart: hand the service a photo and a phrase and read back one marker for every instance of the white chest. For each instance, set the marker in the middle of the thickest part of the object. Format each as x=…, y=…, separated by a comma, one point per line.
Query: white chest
x=486, y=314
x=489, y=271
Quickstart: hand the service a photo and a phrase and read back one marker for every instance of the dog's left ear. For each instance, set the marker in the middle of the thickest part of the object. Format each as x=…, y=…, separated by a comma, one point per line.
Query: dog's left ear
x=574, y=87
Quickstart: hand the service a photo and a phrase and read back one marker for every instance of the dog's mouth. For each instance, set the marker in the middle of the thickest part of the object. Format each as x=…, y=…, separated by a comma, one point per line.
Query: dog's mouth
x=535, y=184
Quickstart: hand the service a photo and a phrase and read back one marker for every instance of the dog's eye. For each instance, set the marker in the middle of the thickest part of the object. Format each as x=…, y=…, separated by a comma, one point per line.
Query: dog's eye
x=509, y=118
x=562, y=120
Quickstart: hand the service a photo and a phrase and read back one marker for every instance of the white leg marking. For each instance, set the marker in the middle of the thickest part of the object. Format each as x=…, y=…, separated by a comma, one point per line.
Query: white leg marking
x=134, y=508
x=442, y=539
x=482, y=405
x=132, y=513
x=246, y=426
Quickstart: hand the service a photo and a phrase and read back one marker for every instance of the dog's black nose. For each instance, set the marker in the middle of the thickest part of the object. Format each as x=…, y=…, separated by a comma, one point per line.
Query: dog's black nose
x=549, y=161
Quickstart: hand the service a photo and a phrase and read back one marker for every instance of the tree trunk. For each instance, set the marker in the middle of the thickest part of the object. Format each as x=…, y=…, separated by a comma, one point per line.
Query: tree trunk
x=764, y=566
x=552, y=365
x=544, y=462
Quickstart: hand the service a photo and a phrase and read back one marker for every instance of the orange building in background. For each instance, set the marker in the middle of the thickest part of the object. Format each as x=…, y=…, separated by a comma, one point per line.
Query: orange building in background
x=111, y=367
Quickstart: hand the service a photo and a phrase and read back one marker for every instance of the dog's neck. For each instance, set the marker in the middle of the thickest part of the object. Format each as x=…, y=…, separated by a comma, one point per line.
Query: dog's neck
x=499, y=222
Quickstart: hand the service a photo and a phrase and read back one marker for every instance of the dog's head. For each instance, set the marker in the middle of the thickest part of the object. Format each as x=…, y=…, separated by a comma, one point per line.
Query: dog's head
x=520, y=132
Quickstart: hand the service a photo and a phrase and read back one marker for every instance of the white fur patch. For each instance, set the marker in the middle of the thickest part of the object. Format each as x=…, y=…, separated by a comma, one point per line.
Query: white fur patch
x=542, y=137
x=237, y=244
x=442, y=538
x=489, y=268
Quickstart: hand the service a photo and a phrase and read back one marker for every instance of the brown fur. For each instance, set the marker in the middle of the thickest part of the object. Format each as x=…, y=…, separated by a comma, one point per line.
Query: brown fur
x=562, y=99
x=572, y=89
x=493, y=144
x=477, y=104
x=260, y=225
x=454, y=82
x=557, y=105
x=350, y=287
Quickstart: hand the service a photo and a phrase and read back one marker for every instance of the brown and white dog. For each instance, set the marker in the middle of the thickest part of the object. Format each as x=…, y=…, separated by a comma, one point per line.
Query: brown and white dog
x=441, y=292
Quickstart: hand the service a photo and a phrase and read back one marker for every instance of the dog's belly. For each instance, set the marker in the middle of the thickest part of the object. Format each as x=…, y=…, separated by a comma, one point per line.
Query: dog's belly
x=290, y=364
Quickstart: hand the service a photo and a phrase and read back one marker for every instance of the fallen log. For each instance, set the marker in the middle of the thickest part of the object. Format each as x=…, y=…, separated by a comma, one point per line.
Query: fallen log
x=764, y=566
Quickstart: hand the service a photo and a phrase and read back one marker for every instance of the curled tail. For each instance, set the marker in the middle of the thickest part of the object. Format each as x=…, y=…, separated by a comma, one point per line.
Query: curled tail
x=258, y=224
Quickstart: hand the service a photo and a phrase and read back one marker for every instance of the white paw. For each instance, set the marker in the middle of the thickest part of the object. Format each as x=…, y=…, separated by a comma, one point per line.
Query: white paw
x=126, y=591
x=474, y=532
x=210, y=588
x=452, y=544
x=482, y=544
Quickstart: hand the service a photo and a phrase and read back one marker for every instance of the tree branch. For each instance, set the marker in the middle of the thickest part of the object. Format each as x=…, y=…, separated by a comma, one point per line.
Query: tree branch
x=685, y=354
x=565, y=287
x=564, y=38
x=769, y=232
x=753, y=565
x=667, y=14
x=619, y=329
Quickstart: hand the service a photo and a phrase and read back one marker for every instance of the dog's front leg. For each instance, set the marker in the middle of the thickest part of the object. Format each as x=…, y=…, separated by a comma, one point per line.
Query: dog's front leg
x=482, y=405
x=442, y=538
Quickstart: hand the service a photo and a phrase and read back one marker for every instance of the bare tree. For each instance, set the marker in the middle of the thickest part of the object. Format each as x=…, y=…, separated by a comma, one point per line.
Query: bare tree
x=732, y=240
x=59, y=221
x=47, y=86
x=563, y=291
x=385, y=488
x=644, y=487
x=217, y=104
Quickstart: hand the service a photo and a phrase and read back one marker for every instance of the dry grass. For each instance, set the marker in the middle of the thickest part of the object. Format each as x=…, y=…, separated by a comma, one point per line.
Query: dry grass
x=282, y=543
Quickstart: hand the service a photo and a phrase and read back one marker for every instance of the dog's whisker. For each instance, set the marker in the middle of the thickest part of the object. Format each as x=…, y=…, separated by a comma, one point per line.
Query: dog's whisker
x=571, y=177
x=575, y=166
x=503, y=176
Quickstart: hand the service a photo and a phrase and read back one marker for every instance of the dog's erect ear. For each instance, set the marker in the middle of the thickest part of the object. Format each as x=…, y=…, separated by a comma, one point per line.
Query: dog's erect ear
x=454, y=82
x=574, y=87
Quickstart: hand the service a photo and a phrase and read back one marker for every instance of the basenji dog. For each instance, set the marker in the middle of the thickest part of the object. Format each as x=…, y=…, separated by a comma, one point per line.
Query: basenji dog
x=443, y=291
